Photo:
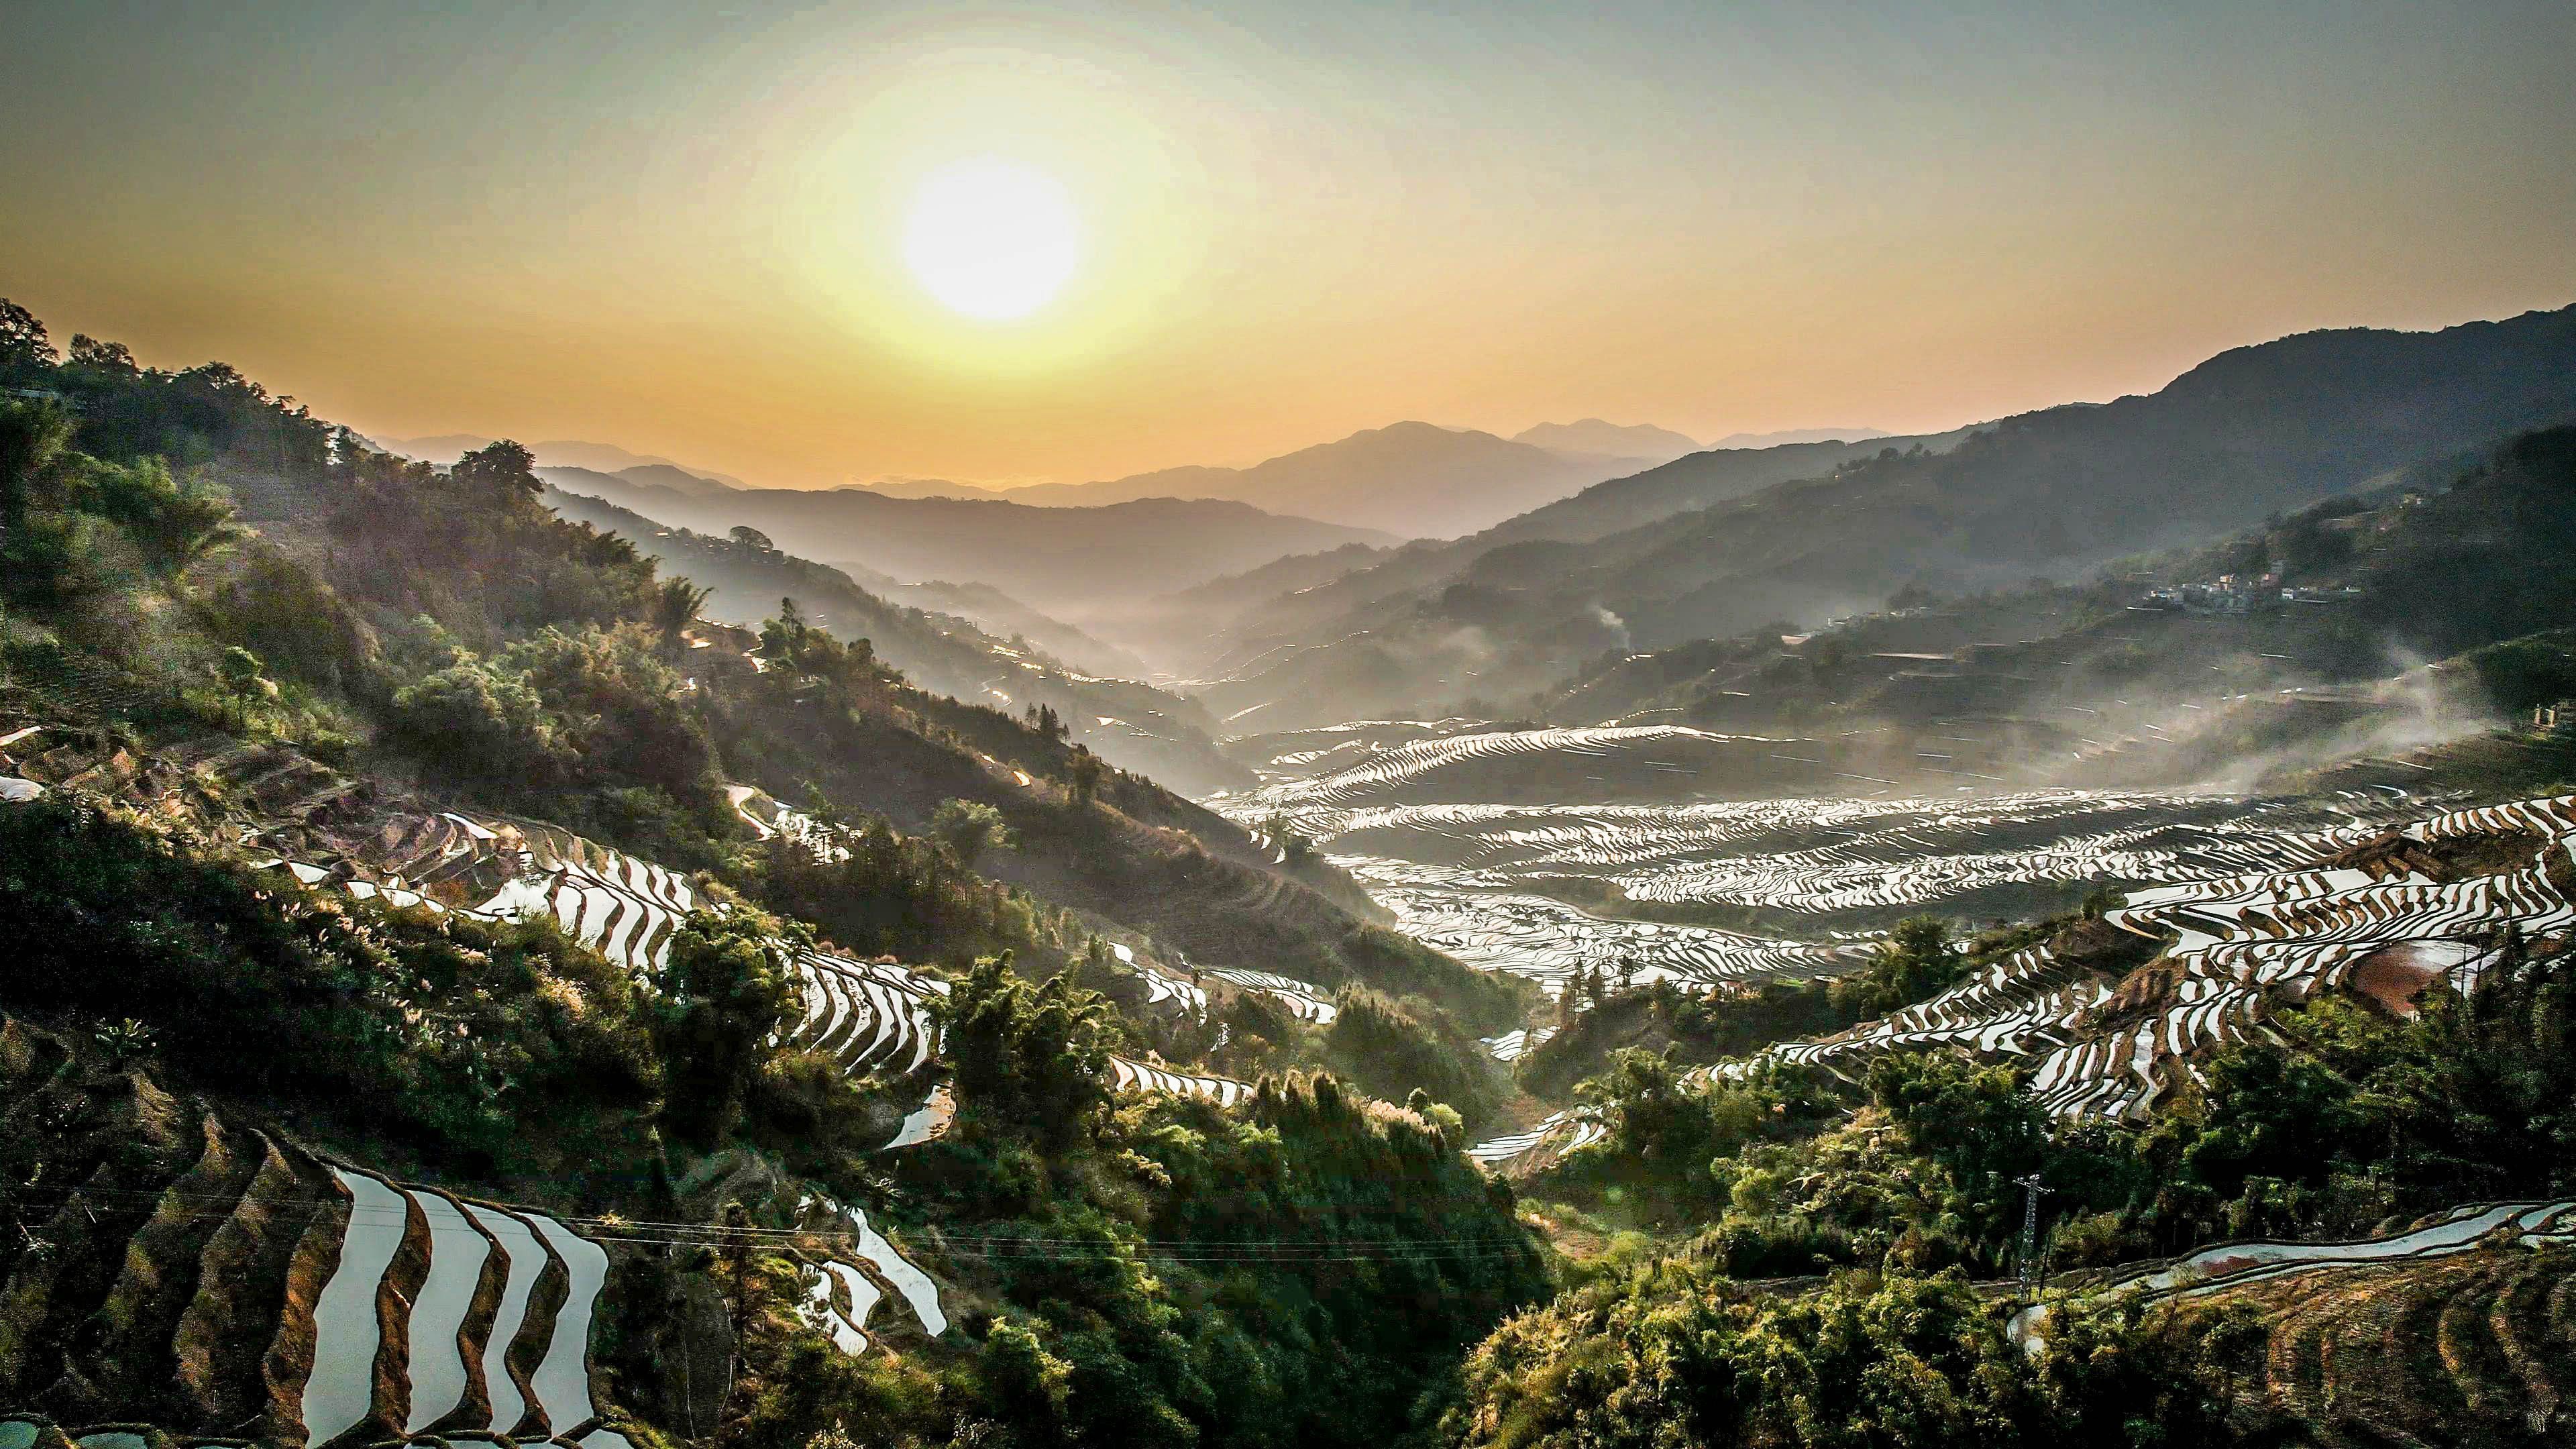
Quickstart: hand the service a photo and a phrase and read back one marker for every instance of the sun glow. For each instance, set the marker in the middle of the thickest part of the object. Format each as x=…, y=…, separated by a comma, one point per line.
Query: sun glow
x=992, y=239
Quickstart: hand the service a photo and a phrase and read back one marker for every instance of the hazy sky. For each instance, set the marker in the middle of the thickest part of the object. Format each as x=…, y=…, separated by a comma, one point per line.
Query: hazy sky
x=679, y=226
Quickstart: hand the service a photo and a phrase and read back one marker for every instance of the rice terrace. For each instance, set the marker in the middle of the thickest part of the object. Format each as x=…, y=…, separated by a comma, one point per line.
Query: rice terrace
x=1056, y=726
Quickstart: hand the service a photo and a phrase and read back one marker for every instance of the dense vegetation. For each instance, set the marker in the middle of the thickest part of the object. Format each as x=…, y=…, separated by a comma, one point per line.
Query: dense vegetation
x=1869, y=1214
x=198, y=571
x=745, y=574
x=1673, y=1351
x=441, y=1034
x=2460, y=561
x=2360, y=1120
x=1920, y=957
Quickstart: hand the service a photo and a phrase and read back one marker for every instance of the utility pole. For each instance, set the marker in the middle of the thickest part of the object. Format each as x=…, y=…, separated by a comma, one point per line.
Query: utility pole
x=2031, y=1193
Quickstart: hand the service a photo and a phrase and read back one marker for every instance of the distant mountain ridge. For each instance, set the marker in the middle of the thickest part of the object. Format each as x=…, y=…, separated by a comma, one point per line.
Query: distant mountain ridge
x=1069, y=563
x=1594, y=436
x=1410, y=479
x=2059, y=491
x=1799, y=435
x=1320, y=604
x=446, y=448
x=646, y=475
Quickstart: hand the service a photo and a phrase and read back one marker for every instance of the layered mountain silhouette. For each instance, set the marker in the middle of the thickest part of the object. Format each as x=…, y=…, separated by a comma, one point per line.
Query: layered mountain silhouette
x=1798, y=435
x=576, y=456
x=1652, y=560
x=1070, y=563
x=1413, y=480
x=1597, y=438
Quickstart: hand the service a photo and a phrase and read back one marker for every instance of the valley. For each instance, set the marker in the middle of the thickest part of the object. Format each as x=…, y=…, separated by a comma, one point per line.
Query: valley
x=1545, y=886
x=587, y=970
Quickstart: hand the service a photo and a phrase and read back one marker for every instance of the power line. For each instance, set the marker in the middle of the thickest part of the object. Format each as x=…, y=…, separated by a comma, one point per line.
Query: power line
x=990, y=1245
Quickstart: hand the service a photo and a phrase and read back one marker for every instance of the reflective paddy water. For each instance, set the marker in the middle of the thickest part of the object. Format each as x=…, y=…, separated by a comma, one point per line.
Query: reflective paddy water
x=1537, y=888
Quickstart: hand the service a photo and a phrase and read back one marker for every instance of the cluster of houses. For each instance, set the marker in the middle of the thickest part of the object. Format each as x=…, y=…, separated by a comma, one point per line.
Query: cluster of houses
x=2236, y=594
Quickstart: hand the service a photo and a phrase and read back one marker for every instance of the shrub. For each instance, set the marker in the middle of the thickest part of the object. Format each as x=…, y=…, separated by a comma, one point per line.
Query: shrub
x=479, y=724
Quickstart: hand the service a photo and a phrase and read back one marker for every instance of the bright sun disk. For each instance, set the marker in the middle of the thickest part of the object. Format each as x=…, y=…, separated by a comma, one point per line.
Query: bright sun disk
x=992, y=239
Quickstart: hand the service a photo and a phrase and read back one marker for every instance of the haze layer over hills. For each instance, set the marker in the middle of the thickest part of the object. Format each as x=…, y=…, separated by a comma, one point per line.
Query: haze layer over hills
x=1070, y=562
x=1413, y=480
x=1644, y=442
x=1720, y=542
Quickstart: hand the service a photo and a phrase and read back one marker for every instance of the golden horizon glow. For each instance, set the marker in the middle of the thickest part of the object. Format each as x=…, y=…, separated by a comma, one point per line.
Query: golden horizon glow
x=683, y=229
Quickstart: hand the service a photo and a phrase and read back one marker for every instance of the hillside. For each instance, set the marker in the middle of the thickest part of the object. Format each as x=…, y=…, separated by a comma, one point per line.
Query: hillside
x=1072, y=563
x=1186, y=630
x=469, y=989
x=1341, y=642
x=2298, y=641
x=2056, y=492
x=1130, y=725
x=435, y=1018
x=1004, y=617
x=2293, y=1129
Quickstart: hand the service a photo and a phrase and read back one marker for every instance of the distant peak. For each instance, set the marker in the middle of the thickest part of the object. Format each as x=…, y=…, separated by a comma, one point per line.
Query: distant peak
x=1787, y=436
x=1601, y=436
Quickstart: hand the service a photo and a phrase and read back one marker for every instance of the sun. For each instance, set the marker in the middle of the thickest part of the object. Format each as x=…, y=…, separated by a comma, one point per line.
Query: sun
x=992, y=239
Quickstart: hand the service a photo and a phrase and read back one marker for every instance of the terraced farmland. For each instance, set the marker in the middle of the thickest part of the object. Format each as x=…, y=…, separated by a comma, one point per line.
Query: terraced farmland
x=2364, y=911
x=1483, y=920
x=212, y=1279
x=497, y=868
x=866, y=1015
x=1134, y=1076
x=1518, y=1154
x=1497, y=883
x=1305, y=1001
x=1511, y=1046
x=2354, y=908
x=2461, y=1329
x=840, y=1297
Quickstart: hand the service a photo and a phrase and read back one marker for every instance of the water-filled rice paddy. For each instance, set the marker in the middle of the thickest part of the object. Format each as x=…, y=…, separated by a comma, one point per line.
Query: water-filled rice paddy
x=1544, y=887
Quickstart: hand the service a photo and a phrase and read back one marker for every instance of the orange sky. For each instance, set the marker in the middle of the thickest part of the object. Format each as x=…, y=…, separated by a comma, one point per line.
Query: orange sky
x=675, y=227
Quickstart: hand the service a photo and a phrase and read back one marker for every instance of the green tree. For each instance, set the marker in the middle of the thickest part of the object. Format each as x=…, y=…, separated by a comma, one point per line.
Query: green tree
x=1028, y=1061
x=1918, y=960
x=675, y=607
x=725, y=988
x=970, y=827
x=25, y=348
x=503, y=471
x=176, y=524
x=1082, y=774
x=479, y=724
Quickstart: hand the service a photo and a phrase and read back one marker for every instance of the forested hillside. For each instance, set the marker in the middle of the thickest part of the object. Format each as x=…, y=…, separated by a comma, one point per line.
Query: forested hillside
x=2275, y=1159
x=386, y=844
x=1130, y=725
x=1072, y=563
x=469, y=986
x=2305, y=638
